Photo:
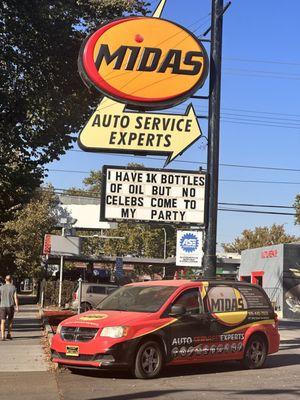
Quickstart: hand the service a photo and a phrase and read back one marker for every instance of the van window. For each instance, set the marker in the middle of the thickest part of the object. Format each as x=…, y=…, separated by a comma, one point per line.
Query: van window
x=254, y=297
x=190, y=300
x=97, y=289
x=225, y=299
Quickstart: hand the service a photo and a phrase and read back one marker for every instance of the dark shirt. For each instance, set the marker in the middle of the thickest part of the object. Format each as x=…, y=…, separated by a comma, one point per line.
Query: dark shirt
x=7, y=292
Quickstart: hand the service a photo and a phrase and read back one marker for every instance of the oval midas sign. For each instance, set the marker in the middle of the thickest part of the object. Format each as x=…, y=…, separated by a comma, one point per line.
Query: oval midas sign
x=144, y=62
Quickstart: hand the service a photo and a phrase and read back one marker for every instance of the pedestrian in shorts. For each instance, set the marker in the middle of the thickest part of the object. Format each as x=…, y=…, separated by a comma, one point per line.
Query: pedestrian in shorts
x=8, y=301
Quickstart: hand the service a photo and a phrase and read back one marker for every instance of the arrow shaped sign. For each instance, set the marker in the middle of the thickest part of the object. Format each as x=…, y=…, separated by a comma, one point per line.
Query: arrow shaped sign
x=112, y=130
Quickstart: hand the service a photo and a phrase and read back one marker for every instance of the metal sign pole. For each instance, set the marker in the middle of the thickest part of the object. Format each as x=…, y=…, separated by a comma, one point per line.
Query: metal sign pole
x=61, y=273
x=210, y=259
x=79, y=295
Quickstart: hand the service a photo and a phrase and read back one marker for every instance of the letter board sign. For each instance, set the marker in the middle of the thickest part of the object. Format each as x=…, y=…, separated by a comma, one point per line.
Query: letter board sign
x=153, y=195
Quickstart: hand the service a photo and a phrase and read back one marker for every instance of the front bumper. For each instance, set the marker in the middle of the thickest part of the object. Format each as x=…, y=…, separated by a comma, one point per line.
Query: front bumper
x=95, y=354
x=103, y=361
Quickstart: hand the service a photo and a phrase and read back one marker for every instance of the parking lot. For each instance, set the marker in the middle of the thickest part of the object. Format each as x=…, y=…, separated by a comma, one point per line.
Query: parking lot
x=279, y=379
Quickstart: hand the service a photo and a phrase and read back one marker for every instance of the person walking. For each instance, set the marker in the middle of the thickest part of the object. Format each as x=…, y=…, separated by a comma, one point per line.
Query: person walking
x=8, y=301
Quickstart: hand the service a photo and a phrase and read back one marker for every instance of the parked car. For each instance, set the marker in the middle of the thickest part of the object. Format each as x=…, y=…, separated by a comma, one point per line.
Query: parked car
x=143, y=326
x=92, y=294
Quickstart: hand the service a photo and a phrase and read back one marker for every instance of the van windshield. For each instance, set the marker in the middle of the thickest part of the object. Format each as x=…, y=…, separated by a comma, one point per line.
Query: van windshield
x=137, y=298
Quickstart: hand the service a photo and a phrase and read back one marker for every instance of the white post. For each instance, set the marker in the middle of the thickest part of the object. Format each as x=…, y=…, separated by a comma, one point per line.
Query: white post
x=165, y=250
x=79, y=295
x=61, y=272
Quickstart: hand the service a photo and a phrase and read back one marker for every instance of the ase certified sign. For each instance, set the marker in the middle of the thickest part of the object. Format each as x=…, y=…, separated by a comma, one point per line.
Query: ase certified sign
x=189, y=251
x=144, y=62
x=155, y=195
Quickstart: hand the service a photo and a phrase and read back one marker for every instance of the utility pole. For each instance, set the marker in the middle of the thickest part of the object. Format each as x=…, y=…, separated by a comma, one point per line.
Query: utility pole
x=210, y=259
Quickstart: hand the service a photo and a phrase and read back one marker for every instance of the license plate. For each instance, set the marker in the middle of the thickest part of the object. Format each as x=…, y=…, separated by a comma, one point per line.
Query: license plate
x=72, y=351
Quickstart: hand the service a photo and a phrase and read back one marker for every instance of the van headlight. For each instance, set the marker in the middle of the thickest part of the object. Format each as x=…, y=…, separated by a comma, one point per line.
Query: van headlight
x=115, y=332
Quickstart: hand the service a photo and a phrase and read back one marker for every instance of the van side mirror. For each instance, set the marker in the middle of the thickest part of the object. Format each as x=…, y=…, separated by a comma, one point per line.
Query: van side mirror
x=177, y=310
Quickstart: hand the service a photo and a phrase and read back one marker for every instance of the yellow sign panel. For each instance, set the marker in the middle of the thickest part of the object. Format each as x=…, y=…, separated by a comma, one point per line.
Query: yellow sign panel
x=144, y=62
x=110, y=129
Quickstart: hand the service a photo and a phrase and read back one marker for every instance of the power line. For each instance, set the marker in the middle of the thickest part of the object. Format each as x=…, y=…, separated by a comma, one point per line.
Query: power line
x=220, y=203
x=280, y=62
x=219, y=209
x=255, y=205
x=222, y=180
x=200, y=162
x=256, y=211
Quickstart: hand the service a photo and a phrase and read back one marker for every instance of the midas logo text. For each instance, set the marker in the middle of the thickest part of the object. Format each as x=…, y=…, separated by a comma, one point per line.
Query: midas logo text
x=221, y=305
x=143, y=62
x=150, y=59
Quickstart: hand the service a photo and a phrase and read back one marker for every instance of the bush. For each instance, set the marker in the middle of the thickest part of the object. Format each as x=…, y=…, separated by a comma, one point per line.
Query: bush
x=52, y=289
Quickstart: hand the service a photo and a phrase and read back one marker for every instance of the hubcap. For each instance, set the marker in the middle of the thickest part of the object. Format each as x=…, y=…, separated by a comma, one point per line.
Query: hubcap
x=150, y=360
x=256, y=352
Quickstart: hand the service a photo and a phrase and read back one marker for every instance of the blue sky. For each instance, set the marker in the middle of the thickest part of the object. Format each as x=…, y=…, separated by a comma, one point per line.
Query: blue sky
x=260, y=112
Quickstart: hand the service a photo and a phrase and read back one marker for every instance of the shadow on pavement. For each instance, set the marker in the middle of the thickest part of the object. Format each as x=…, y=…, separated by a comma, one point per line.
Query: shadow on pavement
x=290, y=344
x=273, y=361
x=238, y=393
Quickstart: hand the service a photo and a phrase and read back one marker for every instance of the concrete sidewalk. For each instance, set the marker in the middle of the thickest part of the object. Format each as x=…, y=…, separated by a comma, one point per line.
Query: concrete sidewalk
x=24, y=370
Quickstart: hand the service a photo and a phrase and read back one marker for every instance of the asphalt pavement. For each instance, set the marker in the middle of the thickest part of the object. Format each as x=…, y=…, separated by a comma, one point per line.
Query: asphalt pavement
x=25, y=373
x=280, y=379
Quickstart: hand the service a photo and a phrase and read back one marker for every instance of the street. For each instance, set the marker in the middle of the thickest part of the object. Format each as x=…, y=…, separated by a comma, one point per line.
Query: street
x=279, y=378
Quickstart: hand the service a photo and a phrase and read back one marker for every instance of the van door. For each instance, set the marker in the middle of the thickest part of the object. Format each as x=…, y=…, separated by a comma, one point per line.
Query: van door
x=185, y=334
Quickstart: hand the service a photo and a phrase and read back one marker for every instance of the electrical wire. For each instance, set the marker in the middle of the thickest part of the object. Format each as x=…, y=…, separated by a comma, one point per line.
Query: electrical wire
x=221, y=180
x=200, y=162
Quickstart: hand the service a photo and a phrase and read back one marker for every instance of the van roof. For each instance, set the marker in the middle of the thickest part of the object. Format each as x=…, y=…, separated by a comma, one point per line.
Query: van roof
x=186, y=282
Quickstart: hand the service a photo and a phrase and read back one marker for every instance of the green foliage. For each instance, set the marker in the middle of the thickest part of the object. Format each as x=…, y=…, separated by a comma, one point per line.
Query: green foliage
x=297, y=208
x=52, y=289
x=260, y=236
x=22, y=238
x=44, y=102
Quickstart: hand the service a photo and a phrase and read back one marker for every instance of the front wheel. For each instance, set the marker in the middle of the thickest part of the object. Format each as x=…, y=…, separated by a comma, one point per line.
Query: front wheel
x=255, y=353
x=149, y=361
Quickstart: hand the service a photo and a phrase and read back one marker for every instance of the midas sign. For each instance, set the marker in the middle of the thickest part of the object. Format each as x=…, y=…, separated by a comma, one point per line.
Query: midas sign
x=144, y=62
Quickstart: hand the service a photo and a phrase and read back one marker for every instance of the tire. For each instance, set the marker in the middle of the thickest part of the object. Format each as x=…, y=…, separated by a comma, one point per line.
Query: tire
x=85, y=306
x=255, y=353
x=148, y=361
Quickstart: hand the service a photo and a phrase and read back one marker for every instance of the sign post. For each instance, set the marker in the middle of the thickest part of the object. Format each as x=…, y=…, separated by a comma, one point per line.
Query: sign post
x=210, y=259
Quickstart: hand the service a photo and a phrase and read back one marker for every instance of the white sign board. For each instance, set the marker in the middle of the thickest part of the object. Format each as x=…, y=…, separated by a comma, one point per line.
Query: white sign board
x=189, y=251
x=84, y=210
x=155, y=195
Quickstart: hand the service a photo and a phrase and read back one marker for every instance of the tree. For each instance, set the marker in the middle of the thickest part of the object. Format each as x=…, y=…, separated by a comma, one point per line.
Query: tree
x=260, y=236
x=297, y=208
x=22, y=238
x=92, y=186
x=44, y=102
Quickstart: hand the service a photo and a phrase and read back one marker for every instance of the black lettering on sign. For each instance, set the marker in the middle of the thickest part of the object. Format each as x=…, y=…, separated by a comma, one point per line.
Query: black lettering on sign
x=151, y=59
x=112, y=139
x=161, y=190
x=115, y=188
x=188, y=192
x=151, y=178
x=190, y=204
x=127, y=212
x=136, y=189
x=104, y=53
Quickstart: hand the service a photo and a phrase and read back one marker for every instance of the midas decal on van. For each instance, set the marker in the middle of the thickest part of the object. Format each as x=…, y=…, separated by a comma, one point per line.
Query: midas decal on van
x=144, y=62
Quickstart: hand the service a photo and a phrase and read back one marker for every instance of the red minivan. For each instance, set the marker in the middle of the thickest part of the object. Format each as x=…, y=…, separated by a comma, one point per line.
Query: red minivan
x=145, y=326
